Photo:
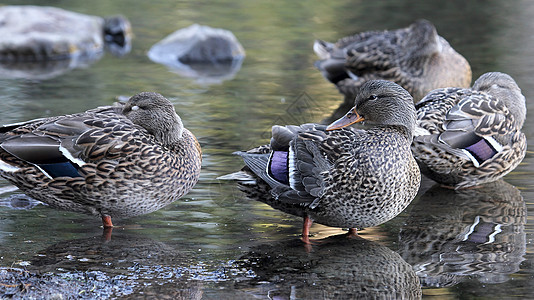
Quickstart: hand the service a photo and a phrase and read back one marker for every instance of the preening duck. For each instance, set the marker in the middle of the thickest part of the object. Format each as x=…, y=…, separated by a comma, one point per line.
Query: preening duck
x=466, y=137
x=415, y=57
x=342, y=177
x=121, y=161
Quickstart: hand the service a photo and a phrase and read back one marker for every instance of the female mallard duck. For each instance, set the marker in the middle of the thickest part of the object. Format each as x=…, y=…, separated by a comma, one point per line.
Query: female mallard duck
x=121, y=160
x=351, y=178
x=466, y=137
x=415, y=57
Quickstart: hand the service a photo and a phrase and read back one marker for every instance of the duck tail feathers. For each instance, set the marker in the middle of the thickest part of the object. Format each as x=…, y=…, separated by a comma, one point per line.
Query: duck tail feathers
x=258, y=164
x=322, y=49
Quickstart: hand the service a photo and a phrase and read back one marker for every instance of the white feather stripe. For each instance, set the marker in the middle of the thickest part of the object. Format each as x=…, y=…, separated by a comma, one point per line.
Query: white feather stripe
x=292, y=167
x=320, y=50
x=44, y=172
x=494, y=143
x=352, y=75
x=268, y=165
x=20, y=123
x=8, y=189
x=7, y=167
x=471, y=157
x=491, y=237
x=419, y=131
x=68, y=155
x=471, y=228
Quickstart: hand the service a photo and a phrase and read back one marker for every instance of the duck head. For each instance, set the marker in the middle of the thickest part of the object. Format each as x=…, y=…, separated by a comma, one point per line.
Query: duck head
x=423, y=39
x=380, y=102
x=504, y=88
x=156, y=114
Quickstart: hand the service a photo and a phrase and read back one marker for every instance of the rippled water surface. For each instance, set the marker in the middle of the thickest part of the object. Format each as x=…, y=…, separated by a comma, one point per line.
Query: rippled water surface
x=216, y=244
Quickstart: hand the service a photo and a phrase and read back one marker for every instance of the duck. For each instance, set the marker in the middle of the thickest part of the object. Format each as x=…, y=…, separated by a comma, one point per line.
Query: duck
x=415, y=57
x=467, y=137
x=121, y=160
x=340, y=176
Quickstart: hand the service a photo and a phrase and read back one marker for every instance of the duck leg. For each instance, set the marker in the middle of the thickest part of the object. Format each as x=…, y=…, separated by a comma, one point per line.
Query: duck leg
x=353, y=232
x=108, y=227
x=106, y=221
x=306, y=229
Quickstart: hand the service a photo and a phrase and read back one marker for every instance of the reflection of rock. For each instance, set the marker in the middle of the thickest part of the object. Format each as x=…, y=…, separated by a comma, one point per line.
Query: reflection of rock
x=207, y=54
x=475, y=232
x=17, y=283
x=42, y=70
x=19, y=201
x=336, y=268
x=43, y=42
x=117, y=35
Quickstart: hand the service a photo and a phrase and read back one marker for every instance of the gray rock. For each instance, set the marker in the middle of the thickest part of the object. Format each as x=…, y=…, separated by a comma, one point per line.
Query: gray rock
x=34, y=38
x=201, y=52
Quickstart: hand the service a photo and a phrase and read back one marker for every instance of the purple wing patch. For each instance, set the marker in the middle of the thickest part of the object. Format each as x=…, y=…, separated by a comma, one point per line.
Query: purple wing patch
x=278, y=166
x=481, y=150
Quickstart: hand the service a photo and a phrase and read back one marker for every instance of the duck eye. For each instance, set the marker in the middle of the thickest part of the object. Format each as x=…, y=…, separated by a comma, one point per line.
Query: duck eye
x=373, y=97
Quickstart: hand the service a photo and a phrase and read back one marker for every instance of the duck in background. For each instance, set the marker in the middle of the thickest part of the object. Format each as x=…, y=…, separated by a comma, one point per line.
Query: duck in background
x=342, y=177
x=467, y=137
x=121, y=161
x=415, y=57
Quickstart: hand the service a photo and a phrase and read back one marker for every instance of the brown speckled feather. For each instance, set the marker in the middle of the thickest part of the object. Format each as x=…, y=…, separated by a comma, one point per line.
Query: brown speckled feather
x=415, y=57
x=452, y=120
x=345, y=177
x=122, y=169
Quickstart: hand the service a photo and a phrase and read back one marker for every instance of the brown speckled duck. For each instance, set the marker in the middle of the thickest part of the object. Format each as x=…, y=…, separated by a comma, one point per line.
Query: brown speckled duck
x=342, y=177
x=466, y=137
x=123, y=160
x=415, y=57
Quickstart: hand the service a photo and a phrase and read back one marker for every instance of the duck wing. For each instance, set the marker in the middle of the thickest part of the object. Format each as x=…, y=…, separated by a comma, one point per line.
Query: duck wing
x=294, y=167
x=471, y=125
x=300, y=160
x=61, y=145
x=355, y=55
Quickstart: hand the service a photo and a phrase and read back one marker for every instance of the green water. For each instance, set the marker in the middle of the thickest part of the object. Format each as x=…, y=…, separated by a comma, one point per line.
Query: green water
x=216, y=244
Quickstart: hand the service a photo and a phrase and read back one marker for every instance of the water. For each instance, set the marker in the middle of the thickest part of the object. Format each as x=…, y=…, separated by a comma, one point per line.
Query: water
x=215, y=243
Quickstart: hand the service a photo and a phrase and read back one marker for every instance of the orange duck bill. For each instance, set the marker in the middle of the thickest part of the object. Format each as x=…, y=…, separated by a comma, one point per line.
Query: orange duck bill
x=348, y=119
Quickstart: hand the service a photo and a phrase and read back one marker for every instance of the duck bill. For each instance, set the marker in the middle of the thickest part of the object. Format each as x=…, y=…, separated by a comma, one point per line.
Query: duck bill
x=350, y=118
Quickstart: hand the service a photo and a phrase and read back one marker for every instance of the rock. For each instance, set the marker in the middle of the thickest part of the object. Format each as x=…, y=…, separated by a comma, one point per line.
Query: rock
x=38, y=34
x=201, y=52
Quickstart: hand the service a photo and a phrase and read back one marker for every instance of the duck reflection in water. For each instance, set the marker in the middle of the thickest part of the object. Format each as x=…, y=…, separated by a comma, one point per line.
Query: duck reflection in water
x=337, y=268
x=476, y=232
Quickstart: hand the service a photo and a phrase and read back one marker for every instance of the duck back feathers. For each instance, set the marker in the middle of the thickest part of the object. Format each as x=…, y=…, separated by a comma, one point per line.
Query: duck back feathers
x=471, y=136
x=345, y=177
x=100, y=161
x=415, y=57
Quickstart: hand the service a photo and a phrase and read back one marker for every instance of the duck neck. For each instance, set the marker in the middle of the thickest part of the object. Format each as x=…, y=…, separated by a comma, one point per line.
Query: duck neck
x=171, y=136
x=402, y=130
